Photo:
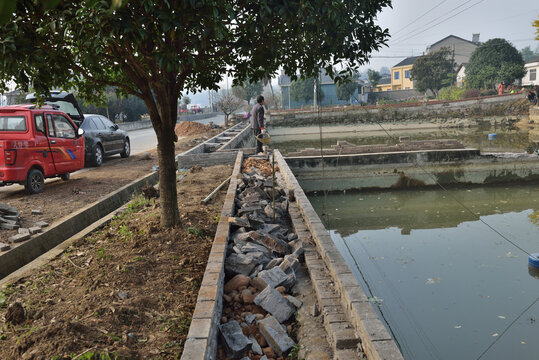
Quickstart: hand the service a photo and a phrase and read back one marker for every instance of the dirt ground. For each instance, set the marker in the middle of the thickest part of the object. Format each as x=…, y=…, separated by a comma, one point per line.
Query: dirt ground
x=126, y=291
x=60, y=198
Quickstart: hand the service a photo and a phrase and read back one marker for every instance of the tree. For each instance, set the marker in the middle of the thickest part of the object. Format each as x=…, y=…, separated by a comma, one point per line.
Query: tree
x=493, y=62
x=303, y=90
x=374, y=78
x=186, y=100
x=433, y=71
x=346, y=89
x=248, y=90
x=527, y=53
x=117, y=108
x=228, y=103
x=536, y=25
x=384, y=70
x=157, y=50
x=272, y=100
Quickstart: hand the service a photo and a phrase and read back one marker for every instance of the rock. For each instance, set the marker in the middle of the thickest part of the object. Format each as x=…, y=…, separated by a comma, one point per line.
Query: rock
x=271, y=228
x=240, y=238
x=250, y=247
x=249, y=209
x=123, y=295
x=275, y=335
x=4, y=247
x=249, y=319
x=42, y=224
x=291, y=237
x=15, y=314
x=294, y=301
x=258, y=257
x=260, y=339
x=273, y=277
x=24, y=231
x=37, y=212
x=239, y=264
x=239, y=221
x=268, y=351
x=299, y=250
x=274, y=303
x=290, y=264
x=273, y=263
x=281, y=289
x=270, y=242
x=248, y=298
x=236, y=282
x=290, y=281
x=6, y=209
x=35, y=229
x=145, y=156
x=257, y=269
x=236, y=344
x=258, y=283
x=9, y=226
x=19, y=238
x=256, y=347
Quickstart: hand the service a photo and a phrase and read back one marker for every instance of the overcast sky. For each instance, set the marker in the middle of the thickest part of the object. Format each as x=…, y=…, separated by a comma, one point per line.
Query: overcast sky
x=415, y=24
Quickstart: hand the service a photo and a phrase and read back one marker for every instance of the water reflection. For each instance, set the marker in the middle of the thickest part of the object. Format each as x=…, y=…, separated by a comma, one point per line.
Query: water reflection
x=447, y=284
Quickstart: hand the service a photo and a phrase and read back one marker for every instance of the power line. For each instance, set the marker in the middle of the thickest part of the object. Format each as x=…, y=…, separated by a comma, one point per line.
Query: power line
x=507, y=328
x=419, y=17
x=440, y=22
x=430, y=22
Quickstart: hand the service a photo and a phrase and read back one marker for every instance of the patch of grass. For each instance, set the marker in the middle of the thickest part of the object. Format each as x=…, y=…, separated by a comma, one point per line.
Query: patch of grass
x=138, y=258
x=293, y=355
x=125, y=232
x=195, y=231
x=137, y=204
x=101, y=254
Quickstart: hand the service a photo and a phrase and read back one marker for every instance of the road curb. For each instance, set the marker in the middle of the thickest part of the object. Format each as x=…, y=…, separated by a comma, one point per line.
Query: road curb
x=70, y=225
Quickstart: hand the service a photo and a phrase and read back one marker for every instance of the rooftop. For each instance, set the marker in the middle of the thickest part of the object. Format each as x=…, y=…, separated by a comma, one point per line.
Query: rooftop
x=408, y=61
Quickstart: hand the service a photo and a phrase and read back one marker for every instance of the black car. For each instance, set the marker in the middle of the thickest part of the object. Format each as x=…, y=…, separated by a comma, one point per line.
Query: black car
x=103, y=138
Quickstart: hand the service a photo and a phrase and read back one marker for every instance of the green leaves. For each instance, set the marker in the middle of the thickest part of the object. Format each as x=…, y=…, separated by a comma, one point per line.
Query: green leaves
x=493, y=62
x=433, y=71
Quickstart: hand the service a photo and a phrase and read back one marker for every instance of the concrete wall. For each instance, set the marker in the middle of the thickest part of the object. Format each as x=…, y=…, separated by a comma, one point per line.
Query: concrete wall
x=411, y=169
x=396, y=95
x=479, y=107
x=375, y=339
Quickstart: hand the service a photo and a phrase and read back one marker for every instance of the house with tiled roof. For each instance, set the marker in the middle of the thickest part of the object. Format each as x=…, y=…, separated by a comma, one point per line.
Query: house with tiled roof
x=461, y=49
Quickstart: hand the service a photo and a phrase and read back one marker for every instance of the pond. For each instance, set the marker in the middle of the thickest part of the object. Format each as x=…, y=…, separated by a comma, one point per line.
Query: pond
x=508, y=139
x=440, y=268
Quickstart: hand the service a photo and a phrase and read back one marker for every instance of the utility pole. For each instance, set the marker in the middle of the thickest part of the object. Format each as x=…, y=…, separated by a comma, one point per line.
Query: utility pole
x=314, y=97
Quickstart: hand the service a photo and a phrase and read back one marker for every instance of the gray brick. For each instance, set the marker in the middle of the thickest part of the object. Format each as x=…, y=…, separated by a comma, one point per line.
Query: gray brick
x=274, y=303
x=275, y=334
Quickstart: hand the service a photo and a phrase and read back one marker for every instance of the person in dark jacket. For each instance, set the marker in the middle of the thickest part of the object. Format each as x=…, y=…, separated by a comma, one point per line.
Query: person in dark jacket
x=257, y=121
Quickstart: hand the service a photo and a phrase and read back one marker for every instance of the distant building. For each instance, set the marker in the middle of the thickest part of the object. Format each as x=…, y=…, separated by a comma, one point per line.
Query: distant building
x=460, y=48
x=384, y=84
x=532, y=71
x=401, y=74
x=328, y=87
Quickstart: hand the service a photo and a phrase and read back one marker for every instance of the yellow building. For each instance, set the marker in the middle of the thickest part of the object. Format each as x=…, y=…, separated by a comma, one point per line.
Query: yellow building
x=384, y=84
x=401, y=74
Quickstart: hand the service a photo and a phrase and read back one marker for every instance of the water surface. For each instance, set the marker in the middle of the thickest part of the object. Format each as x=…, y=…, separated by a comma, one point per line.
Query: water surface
x=447, y=285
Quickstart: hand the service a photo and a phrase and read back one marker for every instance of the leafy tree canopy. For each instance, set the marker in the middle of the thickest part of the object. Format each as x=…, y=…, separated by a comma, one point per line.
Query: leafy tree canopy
x=303, y=90
x=493, y=62
x=433, y=71
x=346, y=89
x=117, y=108
x=186, y=100
x=528, y=54
x=156, y=50
x=248, y=90
x=374, y=78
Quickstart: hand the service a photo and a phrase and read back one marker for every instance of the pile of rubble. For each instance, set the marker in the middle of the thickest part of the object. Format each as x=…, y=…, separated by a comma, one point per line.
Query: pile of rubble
x=262, y=258
x=263, y=165
x=10, y=219
x=188, y=128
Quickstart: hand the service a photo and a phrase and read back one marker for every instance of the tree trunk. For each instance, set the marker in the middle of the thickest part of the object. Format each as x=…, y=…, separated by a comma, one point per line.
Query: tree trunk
x=226, y=120
x=166, y=119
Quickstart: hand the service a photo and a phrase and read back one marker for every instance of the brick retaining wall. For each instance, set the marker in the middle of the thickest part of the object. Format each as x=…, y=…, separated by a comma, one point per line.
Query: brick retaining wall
x=201, y=343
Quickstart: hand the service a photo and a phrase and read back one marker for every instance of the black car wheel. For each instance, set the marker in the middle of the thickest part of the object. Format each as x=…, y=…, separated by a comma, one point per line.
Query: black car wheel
x=127, y=149
x=34, y=181
x=98, y=155
x=65, y=177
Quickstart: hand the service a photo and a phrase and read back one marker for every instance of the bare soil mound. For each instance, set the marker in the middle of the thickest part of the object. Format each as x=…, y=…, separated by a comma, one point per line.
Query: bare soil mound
x=188, y=128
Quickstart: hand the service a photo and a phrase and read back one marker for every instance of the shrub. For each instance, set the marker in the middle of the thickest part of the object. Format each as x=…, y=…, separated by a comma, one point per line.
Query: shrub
x=450, y=93
x=488, y=92
x=471, y=93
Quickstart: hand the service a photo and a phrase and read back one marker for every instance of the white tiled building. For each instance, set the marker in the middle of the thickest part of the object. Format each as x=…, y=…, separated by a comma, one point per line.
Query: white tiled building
x=532, y=72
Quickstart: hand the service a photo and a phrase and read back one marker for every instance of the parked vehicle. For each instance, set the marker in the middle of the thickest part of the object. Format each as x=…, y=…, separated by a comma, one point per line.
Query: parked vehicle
x=38, y=143
x=63, y=101
x=103, y=138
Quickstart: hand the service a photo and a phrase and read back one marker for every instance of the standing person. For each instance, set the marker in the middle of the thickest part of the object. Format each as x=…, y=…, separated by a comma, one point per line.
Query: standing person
x=257, y=121
x=501, y=88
